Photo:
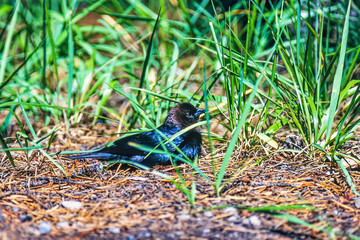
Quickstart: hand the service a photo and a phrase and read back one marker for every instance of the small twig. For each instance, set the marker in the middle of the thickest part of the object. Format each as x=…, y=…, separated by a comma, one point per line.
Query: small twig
x=61, y=180
x=302, y=150
x=35, y=184
x=117, y=172
x=94, y=168
x=274, y=184
x=29, y=194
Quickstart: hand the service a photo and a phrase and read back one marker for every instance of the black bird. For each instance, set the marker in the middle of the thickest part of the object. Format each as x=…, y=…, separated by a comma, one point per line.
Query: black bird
x=180, y=116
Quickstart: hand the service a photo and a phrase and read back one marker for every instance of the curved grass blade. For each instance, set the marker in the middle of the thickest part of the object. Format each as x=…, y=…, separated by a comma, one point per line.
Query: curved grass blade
x=20, y=66
x=8, y=41
x=6, y=149
x=146, y=65
x=34, y=142
x=338, y=75
x=26, y=118
x=341, y=165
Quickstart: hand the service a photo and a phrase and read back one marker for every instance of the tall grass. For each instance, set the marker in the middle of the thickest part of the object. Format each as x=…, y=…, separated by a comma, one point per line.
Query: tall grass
x=144, y=60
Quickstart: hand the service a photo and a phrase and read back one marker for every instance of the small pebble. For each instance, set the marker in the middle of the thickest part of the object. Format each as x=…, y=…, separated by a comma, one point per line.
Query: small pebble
x=179, y=233
x=77, y=225
x=253, y=220
x=2, y=218
x=233, y=218
x=33, y=231
x=171, y=236
x=78, y=193
x=144, y=234
x=45, y=228
x=205, y=231
x=24, y=217
x=234, y=235
x=183, y=217
x=230, y=210
x=208, y=214
x=139, y=187
x=131, y=237
x=72, y=205
x=63, y=224
x=329, y=172
x=357, y=202
x=114, y=230
x=15, y=209
x=139, y=178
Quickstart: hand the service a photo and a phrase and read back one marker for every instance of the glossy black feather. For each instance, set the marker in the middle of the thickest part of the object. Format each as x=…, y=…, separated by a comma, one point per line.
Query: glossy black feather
x=180, y=117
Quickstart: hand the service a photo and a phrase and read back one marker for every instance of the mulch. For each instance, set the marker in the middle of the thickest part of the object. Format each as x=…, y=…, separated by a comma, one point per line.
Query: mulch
x=124, y=202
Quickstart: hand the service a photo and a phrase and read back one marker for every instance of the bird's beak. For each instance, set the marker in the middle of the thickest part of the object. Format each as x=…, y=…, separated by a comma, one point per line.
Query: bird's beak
x=199, y=111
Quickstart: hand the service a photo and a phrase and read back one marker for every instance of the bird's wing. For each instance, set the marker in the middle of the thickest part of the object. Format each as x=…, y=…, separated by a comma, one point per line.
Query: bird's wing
x=122, y=147
x=191, y=145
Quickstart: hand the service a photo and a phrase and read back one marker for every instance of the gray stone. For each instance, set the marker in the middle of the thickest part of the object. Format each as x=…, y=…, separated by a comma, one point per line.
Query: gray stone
x=357, y=202
x=230, y=210
x=45, y=228
x=233, y=218
x=208, y=214
x=15, y=209
x=24, y=217
x=234, y=235
x=72, y=205
x=131, y=237
x=253, y=220
x=139, y=178
x=63, y=224
x=206, y=231
x=33, y=230
x=144, y=234
x=2, y=218
x=179, y=233
x=115, y=230
x=183, y=217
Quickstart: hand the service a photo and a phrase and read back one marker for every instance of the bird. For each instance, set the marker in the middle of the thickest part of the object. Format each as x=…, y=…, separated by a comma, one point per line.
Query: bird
x=138, y=148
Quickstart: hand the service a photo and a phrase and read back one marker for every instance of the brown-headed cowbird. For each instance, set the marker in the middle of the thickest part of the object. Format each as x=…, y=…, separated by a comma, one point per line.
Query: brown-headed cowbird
x=180, y=116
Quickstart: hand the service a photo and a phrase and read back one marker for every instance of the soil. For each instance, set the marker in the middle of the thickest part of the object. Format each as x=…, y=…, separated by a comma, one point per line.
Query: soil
x=124, y=202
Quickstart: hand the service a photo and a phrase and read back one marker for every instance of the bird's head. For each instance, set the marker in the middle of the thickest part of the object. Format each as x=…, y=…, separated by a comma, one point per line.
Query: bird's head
x=183, y=115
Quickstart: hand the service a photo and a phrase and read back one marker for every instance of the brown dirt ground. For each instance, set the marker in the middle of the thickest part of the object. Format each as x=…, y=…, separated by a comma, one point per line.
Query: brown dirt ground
x=134, y=204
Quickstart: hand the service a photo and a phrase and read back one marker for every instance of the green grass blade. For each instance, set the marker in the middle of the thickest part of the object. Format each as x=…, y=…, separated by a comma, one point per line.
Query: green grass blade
x=52, y=44
x=234, y=138
x=146, y=64
x=347, y=175
x=128, y=17
x=338, y=75
x=296, y=220
x=5, y=148
x=71, y=61
x=44, y=46
x=86, y=11
x=8, y=41
x=20, y=66
x=26, y=118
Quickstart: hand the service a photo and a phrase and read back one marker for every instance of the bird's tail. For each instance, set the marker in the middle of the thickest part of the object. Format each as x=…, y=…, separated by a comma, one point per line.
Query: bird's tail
x=94, y=155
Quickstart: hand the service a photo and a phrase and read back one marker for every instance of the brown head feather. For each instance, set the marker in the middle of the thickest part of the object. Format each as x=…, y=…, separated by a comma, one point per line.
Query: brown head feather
x=183, y=115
